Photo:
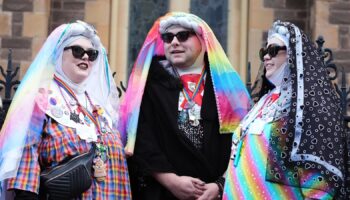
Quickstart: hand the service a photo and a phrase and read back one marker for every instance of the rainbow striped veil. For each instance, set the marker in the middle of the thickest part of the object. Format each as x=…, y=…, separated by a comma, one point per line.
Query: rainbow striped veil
x=232, y=98
x=23, y=124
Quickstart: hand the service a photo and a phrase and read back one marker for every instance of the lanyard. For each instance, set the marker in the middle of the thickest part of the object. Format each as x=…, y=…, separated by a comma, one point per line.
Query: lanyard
x=187, y=96
x=92, y=116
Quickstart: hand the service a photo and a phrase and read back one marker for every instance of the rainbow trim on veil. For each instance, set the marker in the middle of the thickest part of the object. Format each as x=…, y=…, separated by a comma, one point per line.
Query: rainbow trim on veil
x=232, y=98
x=18, y=125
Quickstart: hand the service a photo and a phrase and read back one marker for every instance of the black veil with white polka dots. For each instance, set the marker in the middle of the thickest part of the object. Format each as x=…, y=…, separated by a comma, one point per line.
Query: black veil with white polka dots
x=306, y=146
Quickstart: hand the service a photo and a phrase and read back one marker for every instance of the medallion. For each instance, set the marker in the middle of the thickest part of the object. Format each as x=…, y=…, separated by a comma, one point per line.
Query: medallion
x=100, y=169
x=195, y=122
x=56, y=112
x=192, y=115
x=189, y=104
x=182, y=116
x=191, y=86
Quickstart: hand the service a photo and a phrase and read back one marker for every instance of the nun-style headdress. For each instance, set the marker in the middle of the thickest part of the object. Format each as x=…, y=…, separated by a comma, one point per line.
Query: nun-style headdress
x=24, y=118
x=231, y=95
x=306, y=146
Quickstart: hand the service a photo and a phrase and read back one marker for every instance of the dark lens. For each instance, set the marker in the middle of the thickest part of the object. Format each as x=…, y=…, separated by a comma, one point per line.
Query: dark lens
x=262, y=53
x=92, y=54
x=182, y=36
x=77, y=51
x=273, y=50
x=167, y=37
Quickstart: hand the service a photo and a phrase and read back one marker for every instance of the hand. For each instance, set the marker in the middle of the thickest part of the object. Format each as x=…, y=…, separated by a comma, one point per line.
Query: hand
x=182, y=187
x=211, y=192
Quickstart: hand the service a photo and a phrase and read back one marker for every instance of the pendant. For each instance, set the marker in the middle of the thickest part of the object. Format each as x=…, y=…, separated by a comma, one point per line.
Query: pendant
x=56, y=112
x=189, y=104
x=195, y=122
x=100, y=169
x=182, y=116
x=192, y=118
x=74, y=117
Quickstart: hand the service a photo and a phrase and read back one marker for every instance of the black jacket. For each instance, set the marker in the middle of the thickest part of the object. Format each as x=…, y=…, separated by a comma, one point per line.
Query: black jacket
x=161, y=147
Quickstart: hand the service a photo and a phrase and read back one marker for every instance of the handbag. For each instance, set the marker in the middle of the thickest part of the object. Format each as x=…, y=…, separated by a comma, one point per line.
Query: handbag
x=69, y=179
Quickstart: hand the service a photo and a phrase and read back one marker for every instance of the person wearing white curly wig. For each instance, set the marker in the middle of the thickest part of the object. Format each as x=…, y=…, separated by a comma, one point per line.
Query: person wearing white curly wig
x=291, y=143
x=66, y=106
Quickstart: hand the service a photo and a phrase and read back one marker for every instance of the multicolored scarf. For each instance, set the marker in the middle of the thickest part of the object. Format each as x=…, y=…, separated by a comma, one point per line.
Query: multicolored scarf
x=232, y=98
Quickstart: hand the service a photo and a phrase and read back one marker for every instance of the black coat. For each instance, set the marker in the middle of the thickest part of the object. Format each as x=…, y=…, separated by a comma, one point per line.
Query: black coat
x=160, y=145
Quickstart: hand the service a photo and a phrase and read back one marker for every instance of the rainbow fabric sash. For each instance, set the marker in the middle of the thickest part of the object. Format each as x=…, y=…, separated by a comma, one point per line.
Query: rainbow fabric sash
x=232, y=98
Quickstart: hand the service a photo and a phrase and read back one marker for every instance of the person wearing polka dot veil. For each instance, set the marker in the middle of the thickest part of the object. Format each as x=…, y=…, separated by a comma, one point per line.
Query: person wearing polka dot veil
x=65, y=109
x=291, y=143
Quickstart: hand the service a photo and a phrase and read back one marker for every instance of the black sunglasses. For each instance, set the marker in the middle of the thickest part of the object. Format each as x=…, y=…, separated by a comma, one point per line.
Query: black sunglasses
x=79, y=52
x=271, y=50
x=181, y=36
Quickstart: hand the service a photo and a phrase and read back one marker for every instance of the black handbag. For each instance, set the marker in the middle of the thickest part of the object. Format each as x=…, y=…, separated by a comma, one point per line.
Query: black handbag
x=70, y=179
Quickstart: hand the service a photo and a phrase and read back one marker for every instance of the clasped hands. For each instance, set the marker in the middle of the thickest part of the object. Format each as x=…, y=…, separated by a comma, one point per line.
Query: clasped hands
x=188, y=188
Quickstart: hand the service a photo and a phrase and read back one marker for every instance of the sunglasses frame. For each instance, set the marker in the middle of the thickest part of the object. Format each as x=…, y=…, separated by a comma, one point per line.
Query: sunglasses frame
x=181, y=36
x=78, y=52
x=272, y=50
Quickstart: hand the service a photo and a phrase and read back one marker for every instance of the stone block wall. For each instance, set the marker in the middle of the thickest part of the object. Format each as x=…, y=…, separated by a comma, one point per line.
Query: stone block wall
x=339, y=15
x=25, y=25
x=23, y=29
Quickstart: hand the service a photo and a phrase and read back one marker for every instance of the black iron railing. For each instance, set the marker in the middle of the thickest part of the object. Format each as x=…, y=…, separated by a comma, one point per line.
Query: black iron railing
x=9, y=84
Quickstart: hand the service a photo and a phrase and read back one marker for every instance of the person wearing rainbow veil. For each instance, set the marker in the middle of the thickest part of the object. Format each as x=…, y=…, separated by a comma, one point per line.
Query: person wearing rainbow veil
x=291, y=143
x=182, y=97
x=65, y=106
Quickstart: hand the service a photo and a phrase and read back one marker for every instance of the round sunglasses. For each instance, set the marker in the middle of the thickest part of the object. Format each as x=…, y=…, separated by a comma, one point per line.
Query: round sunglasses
x=271, y=50
x=79, y=52
x=181, y=36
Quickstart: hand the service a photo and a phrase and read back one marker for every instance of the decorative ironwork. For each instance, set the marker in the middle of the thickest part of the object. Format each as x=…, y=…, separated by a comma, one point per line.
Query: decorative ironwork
x=333, y=70
x=9, y=84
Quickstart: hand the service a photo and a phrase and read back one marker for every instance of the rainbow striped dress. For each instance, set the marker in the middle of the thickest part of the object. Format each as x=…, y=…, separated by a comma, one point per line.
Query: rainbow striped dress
x=245, y=178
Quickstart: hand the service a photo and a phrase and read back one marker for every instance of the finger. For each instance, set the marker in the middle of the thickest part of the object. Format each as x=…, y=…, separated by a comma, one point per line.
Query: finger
x=199, y=187
x=197, y=181
x=198, y=192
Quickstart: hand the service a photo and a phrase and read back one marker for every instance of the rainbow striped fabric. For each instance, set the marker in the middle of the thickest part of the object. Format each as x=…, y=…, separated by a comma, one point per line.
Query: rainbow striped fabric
x=17, y=124
x=247, y=179
x=232, y=98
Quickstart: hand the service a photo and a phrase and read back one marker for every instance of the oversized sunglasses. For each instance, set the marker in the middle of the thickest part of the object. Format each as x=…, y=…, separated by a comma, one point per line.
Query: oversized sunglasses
x=79, y=52
x=271, y=50
x=181, y=36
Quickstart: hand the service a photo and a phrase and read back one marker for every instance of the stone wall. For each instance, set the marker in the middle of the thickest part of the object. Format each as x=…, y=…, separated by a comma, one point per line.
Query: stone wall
x=339, y=16
x=23, y=26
